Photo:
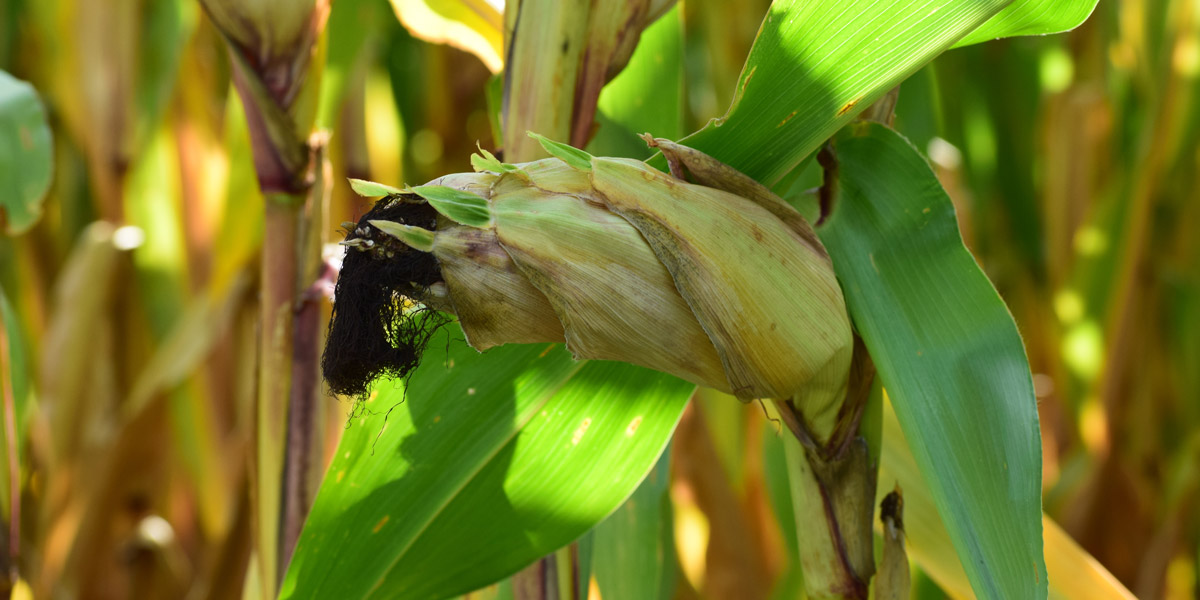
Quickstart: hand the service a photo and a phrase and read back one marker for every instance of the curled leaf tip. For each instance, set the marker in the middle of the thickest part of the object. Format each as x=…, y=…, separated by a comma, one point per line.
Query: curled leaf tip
x=371, y=189
x=414, y=237
x=576, y=158
x=486, y=161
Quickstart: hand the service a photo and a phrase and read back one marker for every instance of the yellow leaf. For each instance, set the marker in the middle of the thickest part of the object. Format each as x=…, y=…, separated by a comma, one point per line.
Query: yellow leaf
x=471, y=25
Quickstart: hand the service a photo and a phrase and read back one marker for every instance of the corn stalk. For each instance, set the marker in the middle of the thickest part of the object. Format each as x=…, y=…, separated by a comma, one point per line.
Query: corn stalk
x=276, y=54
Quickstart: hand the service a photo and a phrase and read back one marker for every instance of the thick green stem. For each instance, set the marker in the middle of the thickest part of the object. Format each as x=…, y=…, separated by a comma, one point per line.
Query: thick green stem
x=832, y=499
x=833, y=491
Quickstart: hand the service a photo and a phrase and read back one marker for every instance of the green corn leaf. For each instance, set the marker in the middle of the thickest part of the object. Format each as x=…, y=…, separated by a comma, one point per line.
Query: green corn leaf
x=488, y=463
x=815, y=65
x=458, y=206
x=632, y=551
x=474, y=26
x=1032, y=17
x=575, y=157
x=26, y=154
x=1073, y=573
x=948, y=354
x=370, y=189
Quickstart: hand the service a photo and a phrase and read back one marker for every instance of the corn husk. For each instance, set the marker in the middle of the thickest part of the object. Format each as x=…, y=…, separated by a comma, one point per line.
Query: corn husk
x=727, y=289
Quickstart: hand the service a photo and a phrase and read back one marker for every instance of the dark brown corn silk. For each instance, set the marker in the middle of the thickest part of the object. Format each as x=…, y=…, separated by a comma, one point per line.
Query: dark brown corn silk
x=371, y=333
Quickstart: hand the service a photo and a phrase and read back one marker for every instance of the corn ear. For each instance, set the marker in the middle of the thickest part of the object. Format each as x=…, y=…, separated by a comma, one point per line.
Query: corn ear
x=722, y=284
x=769, y=303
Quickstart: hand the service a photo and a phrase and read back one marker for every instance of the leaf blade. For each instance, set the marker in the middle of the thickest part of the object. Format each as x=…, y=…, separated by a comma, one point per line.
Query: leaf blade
x=469, y=500
x=1073, y=573
x=474, y=26
x=1032, y=17
x=940, y=334
x=798, y=88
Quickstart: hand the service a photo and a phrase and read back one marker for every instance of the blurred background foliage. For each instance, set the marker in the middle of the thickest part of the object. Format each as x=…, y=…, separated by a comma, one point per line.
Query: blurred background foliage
x=130, y=308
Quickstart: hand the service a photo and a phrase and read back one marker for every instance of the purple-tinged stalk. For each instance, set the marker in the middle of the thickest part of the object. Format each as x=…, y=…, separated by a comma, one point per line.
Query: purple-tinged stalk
x=559, y=54
x=274, y=47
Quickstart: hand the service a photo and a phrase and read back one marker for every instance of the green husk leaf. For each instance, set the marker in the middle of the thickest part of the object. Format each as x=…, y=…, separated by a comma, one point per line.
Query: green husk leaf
x=370, y=189
x=442, y=489
x=461, y=207
x=415, y=237
x=572, y=156
x=486, y=161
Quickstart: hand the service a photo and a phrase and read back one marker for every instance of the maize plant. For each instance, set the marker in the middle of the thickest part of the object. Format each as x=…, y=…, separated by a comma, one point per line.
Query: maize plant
x=656, y=299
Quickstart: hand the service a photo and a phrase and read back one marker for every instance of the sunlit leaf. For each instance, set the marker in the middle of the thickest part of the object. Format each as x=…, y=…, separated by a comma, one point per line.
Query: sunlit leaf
x=815, y=65
x=948, y=354
x=488, y=463
x=372, y=189
x=1032, y=17
x=471, y=25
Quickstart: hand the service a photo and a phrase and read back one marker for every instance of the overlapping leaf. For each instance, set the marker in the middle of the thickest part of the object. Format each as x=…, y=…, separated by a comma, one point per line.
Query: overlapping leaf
x=1032, y=17
x=489, y=462
x=815, y=65
x=1073, y=573
x=948, y=353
